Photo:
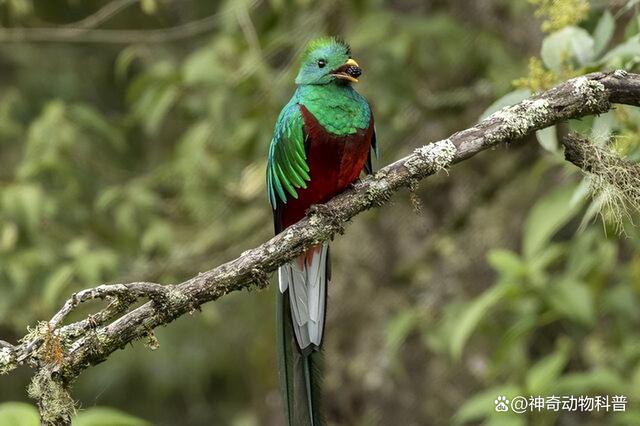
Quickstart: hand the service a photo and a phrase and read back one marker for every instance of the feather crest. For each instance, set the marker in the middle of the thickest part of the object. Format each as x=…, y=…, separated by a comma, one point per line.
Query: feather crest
x=324, y=43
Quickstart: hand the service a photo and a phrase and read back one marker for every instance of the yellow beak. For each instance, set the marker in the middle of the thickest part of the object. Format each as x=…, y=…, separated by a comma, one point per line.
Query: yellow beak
x=351, y=62
x=343, y=72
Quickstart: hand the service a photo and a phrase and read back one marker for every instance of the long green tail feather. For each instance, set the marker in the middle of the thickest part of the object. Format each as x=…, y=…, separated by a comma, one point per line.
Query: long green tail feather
x=300, y=375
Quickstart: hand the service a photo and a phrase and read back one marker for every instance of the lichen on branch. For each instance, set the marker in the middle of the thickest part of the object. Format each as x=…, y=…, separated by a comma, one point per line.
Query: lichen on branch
x=614, y=183
x=54, y=402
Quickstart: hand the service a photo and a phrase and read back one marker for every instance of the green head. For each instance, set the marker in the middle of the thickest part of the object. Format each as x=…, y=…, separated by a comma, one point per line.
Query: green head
x=325, y=60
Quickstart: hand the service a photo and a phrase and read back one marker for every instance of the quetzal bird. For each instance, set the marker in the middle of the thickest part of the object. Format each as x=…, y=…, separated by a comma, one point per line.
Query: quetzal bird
x=323, y=139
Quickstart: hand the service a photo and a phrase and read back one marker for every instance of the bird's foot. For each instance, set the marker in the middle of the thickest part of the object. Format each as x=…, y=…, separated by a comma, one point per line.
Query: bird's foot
x=327, y=214
x=355, y=184
x=320, y=210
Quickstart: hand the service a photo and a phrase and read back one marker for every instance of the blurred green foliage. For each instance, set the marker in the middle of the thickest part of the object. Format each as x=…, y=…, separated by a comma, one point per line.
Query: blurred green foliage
x=21, y=414
x=145, y=161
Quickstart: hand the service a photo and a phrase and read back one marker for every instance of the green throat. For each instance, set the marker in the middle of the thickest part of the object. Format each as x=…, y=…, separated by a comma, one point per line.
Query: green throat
x=338, y=107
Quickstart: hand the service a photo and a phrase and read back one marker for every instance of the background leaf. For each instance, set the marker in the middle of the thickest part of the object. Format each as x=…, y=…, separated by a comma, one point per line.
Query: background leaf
x=546, y=217
x=472, y=316
x=18, y=414
x=572, y=43
x=99, y=416
x=603, y=32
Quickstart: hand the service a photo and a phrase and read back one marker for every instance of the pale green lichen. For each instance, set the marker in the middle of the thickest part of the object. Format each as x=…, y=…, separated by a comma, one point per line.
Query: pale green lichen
x=414, y=197
x=378, y=192
x=152, y=341
x=620, y=73
x=314, y=220
x=431, y=158
x=54, y=401
x=537, y=111
x=439, y=155
x=518, y=120
x=591, y=91
x=176, y=297
x=36, y=332
x=7, y=361
x=614, y=184
x=52, y=347
x=532, y=114
x=102, y=337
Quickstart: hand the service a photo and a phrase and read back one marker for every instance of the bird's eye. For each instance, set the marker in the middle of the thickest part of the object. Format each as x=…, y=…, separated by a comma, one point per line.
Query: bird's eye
x=321, y=63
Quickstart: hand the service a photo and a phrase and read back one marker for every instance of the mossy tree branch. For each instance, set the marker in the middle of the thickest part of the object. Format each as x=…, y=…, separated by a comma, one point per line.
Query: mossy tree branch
x=60, y=353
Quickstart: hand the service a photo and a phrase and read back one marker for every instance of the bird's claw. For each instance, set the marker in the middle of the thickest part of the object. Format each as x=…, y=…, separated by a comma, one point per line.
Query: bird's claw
x=320, y=210
x=327, y=213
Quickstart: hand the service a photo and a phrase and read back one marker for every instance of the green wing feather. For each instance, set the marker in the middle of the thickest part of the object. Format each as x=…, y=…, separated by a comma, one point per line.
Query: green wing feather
x=287, y=168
